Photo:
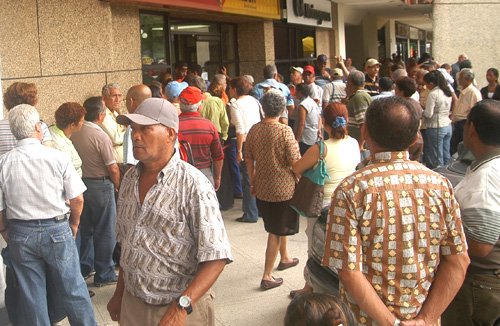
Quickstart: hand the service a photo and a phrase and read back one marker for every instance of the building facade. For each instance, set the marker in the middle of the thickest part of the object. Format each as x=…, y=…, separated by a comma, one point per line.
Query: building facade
x=70, y=49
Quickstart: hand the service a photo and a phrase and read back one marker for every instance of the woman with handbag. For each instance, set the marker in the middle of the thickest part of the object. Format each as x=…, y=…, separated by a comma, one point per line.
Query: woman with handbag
x=341, y=154
x=270, y=151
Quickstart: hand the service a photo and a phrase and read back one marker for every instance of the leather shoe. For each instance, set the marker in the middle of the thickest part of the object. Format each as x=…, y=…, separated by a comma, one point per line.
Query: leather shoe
x=91, y=293
x=283, y=266
x=241, y=219
x=266, y=285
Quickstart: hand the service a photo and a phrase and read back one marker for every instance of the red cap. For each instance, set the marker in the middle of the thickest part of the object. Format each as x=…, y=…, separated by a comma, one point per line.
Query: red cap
x=192, y=95
x=309, y=68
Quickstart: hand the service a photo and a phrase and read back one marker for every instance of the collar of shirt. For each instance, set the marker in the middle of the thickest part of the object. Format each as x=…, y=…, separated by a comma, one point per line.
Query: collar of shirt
x=190, y=114
x=385, y=157
x=485, y=158
x=59, y=132
x=161, y=176
x=91, y=124
x=28, y=141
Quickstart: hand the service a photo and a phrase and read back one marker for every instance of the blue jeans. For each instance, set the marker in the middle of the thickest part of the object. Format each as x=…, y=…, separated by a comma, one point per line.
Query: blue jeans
x=234, y=168
x=250, y=210
x=39, y=248
x=97, y=228
x=437, y=146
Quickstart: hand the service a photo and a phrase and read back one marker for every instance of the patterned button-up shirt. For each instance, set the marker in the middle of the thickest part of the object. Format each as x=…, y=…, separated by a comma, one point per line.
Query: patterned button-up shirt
x=178, y=226
x=392, y=220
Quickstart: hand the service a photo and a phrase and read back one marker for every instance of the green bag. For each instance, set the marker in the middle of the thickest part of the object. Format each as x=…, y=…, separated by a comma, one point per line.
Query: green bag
x=308, y=197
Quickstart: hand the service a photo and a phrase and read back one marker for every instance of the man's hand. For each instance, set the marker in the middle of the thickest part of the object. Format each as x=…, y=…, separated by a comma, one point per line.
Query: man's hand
x=252, y=191
x=5, y=235
x=114, y=307
x=415, y=322
x=216, y=183
x=74, y=229
x=174, y=316
x=239, y=157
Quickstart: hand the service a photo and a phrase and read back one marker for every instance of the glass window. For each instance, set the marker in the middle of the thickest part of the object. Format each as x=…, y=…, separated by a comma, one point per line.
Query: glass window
x=293, y=46
x=208, y=44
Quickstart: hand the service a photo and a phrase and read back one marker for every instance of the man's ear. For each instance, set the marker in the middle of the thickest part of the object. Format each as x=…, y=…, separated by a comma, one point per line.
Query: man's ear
x=365, y=134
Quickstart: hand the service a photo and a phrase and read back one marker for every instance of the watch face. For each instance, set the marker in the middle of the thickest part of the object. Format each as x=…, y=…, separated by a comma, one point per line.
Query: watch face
x=184, y=301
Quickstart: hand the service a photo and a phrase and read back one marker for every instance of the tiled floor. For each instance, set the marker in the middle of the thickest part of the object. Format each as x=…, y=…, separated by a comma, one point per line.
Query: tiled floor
x=239, y=300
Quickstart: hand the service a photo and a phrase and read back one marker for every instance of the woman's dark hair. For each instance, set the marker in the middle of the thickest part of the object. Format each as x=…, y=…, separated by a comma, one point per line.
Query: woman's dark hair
x=69, y=113
x=20, y=93
x=494, y=71
x=273, y=103
x=485, y=115
x=216, y=89
x=407, y=85
x=241, y=85
x=318, y=309
x=155, y=88
x=303, y=89
x=438, y=79
x=392, y=122
x=330, y=113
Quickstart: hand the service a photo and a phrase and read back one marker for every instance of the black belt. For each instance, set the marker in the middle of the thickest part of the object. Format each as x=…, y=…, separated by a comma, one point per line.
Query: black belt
x=100, y=179
x=57, y=219
x=475, y=270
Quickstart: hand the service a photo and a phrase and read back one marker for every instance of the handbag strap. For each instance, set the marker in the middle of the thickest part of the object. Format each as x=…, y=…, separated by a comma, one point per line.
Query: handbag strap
x=321, y=145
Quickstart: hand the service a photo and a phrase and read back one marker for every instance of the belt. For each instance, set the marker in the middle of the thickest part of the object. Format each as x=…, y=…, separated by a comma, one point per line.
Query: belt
x=57, y=219
x=100, y=179
x=475, y=270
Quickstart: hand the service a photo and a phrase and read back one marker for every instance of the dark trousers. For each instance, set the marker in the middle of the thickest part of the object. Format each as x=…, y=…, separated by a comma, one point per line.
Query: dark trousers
x=476, y=303
x=457, y=136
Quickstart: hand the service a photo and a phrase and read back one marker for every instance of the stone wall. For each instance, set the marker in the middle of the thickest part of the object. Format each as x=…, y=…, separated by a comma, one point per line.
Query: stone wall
x=69, y=49
x=467, y=26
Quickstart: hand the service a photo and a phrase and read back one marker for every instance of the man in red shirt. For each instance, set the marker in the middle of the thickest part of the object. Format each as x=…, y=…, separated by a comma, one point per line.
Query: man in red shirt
x=201, y=134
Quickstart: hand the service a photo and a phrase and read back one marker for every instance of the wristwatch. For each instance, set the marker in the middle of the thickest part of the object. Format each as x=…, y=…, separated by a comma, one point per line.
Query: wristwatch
x=397, y=322
x=184, y=302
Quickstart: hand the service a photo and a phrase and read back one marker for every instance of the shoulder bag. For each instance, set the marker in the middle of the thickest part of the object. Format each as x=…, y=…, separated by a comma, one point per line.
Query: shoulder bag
x=307, y=199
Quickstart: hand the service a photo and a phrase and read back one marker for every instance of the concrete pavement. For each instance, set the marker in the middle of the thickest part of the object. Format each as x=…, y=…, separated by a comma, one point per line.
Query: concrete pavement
x=239, y=300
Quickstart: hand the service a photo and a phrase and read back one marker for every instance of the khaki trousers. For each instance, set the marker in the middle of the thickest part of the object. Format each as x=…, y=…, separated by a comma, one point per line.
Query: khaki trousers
x=136, y=312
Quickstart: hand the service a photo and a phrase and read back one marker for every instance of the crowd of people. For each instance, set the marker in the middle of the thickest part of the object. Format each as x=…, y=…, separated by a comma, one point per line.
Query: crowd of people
x=144, y=191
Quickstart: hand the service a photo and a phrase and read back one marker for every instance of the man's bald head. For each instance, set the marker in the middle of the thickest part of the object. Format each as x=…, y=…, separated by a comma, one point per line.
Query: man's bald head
x=136, y=95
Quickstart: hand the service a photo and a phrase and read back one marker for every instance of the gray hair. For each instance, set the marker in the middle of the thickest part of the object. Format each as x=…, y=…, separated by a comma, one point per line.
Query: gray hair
x=357, y=78
x=106, y=91
x=467, y=73
x=270, y=71
x=200, y=83
x=220, y=78
x=249, y=79
x=273, y=103
x=398, y=73
x=189, y=107
x=22, y=120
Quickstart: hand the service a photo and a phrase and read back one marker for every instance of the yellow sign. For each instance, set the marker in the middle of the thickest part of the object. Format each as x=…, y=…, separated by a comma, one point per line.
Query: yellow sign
x=259, y=8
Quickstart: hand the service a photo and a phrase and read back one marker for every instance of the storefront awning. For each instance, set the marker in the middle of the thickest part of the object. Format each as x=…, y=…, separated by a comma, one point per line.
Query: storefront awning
x=256, y=8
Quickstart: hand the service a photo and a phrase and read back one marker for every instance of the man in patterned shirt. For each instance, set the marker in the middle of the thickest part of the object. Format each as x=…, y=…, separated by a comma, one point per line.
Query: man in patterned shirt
x=395, y=229
x=174, y=244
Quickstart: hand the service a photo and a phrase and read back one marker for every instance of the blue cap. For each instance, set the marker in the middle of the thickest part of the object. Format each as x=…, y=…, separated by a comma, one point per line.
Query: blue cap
x=174, y=89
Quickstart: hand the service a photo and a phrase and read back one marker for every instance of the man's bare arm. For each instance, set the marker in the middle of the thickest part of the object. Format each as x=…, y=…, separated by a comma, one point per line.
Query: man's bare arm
x=479, y=249
x=449, y=278
x=204, y=279
x=217, y=173
x=76, y=206
x=365, y=296
x=114, y=175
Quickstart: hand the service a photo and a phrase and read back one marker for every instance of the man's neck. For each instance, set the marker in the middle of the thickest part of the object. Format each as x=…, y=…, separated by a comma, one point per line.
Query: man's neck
x=154, y=167
x=481, y=150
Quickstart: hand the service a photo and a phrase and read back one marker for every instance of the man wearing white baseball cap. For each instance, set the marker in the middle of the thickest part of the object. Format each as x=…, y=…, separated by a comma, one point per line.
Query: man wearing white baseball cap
x=372, y=67
x=170, y=228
